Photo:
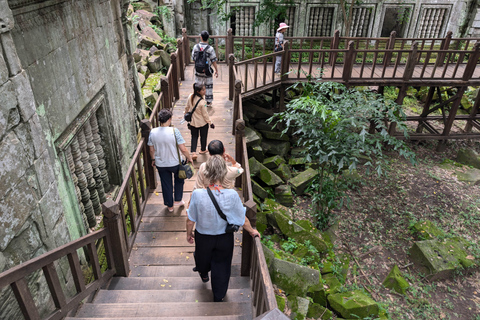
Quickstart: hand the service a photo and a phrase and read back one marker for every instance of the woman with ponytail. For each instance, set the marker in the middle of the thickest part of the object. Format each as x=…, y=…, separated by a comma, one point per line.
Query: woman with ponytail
x=200, y=119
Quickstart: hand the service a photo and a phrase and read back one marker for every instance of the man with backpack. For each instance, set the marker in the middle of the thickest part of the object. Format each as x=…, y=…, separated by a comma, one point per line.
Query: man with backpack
x=204, y=56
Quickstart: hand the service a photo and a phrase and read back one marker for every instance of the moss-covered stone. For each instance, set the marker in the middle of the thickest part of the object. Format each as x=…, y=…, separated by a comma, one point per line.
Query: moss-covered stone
x=152, y=81
x=256, y=152
x=469, y=157
x=275, y=147
x=259, y=190
x=331, y=283
x=273, y=162
x=318, y=293
x=316, y=311
x=263, y=173
x=280, y=302
x=396, y=281
x=283, y=194
x=303, y=180
x=252, y=137
x=296, y=161
x=353, y=304
x=283, y=171
x=426, y=230
x=470, y=176
x=269, y=256
x=339, y=264
x=294, y=278
x=273, y=135
x=299, y=307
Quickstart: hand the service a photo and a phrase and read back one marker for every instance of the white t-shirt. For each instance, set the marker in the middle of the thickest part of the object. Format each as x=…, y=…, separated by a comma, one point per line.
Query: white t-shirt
x=163, y=141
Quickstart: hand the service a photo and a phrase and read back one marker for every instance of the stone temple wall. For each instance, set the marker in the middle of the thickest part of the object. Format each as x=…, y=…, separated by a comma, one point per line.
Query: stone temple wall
x=66, y=73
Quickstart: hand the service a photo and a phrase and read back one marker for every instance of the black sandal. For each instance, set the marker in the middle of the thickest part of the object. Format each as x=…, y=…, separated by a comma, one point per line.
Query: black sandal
x=204, y=277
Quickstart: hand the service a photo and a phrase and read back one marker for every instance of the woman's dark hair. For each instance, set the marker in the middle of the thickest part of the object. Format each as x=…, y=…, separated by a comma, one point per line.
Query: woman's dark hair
x=197, y=87
x=216, y=147
x=164, y=115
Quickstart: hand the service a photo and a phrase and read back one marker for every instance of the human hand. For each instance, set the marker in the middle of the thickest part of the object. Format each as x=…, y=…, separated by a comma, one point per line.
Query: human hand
x=153, y=163
x=229, y=158
x=190, y=238
x=255, y=233
x=216, y=74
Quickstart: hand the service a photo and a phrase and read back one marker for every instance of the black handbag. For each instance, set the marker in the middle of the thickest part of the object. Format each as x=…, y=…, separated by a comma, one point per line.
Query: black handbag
x=188, y=115
x=230, y=228
x=185, y=170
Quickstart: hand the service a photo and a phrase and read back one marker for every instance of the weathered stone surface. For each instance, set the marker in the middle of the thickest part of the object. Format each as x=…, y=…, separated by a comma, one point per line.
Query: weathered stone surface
x=38, y=136
x=145, y=71
x=153, y=81
x=3, y=71
x=426, y=230
x=8, y=104
x=147, y=42
x=141, y=79
x=252, y=137
x=303, y=180
x=155, y=64
x=24, y=93
x=294, y=278
x=150, y=97
x=272, y=135
x=140, y=54
x=283, y=171
x=299, y=307
x=332, y=284
x=150, y=33
x=340, y=263
x=15, y=208
x=353, y=304
x=280, y=302
x=470, y=176
x=51, y=207
x=256, y=152
x=317, y=311
x=273, y=162
x=259, y=191
x=283, y=194
x=274, y=147
x=296, y=161
x=259, y=112
x=28, y=240
x=263, y=173
x=13, y=163
x=395, y=281
x=166, y=60
x=440, y=259
x=468, y=157
x=262, y=125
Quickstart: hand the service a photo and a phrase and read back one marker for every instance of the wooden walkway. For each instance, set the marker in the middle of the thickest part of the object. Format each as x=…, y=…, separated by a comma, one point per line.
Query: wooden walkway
x=162, y=283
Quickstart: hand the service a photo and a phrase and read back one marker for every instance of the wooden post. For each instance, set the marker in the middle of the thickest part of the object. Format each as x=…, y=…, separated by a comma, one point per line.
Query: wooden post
x=348, y=63
x=274, y=99
x=113, y=222
x=411, y=60
x=239, y=134
x=146, y=127
x=402, y=93
x=442, y=144
x=334, y=45
x=285, y=60
x=472, y=62
x=167, y=100
x=444, y=46
x=473, y=113
x=247, y=240
x=281, y=102
x=229, y=44
x=390, y=46
x=236, y=104
x=181, y=59
x=231, y=76
x=176, y=90
x=186, y=47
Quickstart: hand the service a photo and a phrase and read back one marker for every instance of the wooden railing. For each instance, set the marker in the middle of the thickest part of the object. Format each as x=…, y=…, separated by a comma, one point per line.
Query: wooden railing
x=16, y=277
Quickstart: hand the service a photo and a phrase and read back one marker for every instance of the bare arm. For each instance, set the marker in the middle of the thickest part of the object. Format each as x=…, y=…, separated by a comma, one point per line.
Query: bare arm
x=190, y=234
x=248, y=227
x=152, y=154
x=216, y=69
x=185, y=152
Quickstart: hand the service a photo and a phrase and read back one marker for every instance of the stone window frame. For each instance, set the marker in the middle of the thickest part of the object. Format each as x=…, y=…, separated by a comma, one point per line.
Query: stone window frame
x=424, y=6
x=231, y=5
x=98, y=106
x=371, y=23
x=293, y=26
x=411, y=6
x=335, y=19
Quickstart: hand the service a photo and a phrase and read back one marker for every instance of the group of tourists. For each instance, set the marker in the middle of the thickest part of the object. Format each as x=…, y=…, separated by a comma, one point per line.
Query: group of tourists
x=215, y=209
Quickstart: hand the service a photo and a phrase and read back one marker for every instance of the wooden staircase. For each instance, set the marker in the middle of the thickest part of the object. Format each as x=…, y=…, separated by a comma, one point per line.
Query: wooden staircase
x=162, y=284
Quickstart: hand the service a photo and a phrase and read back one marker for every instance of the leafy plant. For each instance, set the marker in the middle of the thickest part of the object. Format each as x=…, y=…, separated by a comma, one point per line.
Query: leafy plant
x=341, y=128
x=163, y=11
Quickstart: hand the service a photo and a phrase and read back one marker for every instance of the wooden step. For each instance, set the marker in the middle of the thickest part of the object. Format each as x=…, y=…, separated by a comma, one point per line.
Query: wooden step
x=172, y=283
x=159, y=309
x=223, y=317
x=168, y=239
x=153, y=296
x=171, y=271
x=162, y=224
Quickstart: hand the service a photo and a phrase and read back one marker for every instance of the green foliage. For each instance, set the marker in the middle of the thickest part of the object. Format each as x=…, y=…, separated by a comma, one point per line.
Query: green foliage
x=164, y=36
x=216, y=6
x=333, y=123
x=270, y=11
x=163, y=11
x=290, y=245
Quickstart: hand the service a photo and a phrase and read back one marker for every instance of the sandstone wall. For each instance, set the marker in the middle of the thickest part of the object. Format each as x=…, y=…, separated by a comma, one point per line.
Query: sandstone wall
x=57, y=59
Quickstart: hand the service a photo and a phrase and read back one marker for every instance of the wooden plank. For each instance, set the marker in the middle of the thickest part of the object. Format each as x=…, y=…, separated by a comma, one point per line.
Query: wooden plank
x=54, y=285
x=93, y=255
x=76, y=270
x=25, y=299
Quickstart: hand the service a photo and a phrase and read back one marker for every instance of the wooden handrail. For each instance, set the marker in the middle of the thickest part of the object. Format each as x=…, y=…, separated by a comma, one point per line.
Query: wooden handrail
x=16, y=276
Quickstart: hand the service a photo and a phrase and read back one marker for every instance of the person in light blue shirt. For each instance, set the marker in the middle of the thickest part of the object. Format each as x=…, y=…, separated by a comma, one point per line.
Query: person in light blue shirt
x=214, y=247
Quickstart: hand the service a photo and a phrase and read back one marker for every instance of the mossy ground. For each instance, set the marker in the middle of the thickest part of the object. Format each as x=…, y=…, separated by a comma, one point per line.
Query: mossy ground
x=375, y=229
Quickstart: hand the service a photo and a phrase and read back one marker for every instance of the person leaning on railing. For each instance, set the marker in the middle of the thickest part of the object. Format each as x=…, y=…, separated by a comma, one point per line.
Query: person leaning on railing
x=213, y=245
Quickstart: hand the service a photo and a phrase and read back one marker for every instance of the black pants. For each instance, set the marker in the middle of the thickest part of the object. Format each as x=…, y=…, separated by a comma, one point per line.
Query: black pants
x=169, y=189
x=203, y=138
x=214, y=253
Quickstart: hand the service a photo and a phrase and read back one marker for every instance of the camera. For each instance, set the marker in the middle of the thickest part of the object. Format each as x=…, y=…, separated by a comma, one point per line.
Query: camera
x=231, y=228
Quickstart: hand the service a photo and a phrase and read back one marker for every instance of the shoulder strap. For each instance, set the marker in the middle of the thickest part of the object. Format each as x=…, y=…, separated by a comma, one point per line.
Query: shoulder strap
x=178, y=152
x=196, y=105
x=220, y=213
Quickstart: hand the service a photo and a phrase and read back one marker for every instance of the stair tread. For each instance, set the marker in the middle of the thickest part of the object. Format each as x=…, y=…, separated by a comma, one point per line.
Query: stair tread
x=222, y=317
x=171, y=283
x=153, y=296
x=160, y=309
x=171, y=271
x=156, y=238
